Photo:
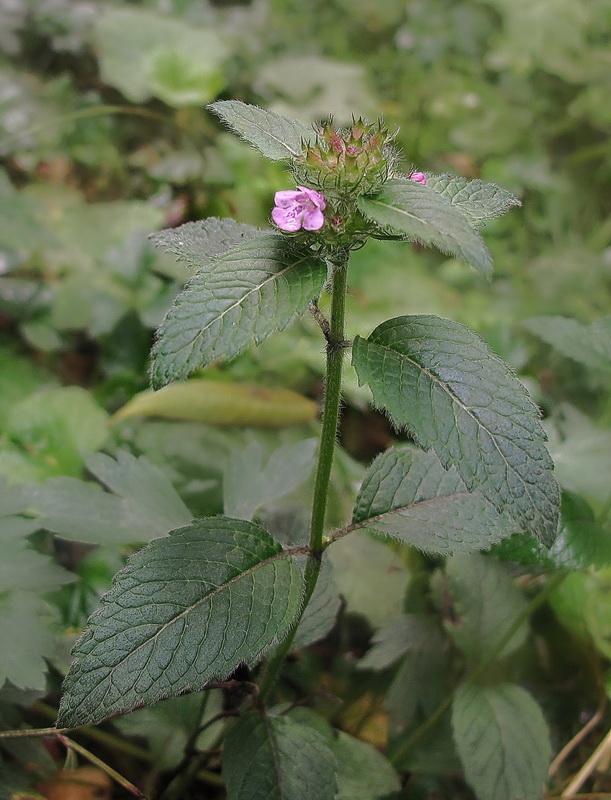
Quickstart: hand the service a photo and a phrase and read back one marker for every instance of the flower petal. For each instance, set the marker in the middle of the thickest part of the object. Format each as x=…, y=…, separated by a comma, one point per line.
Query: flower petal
x=313, y=220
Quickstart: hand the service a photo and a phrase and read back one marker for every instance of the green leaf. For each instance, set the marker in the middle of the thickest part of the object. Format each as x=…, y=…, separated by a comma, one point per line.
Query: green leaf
x=363, y=773
x=144, y=505
x=321, y=611
x=144, y=54
x=243, y=297
x=371, y=577
x=248, y=483
x=395, y=639
x=21, y=567
x=590, y=346
x=222, y=403
x=276, y=758
x=477, y=200
x=423, y=215
x=409, y=495
x=275, y=136
x=198, y=243
x=441, y=382
x=486, y=605
x=25, y=639
x=503, y=741
x=186, y=609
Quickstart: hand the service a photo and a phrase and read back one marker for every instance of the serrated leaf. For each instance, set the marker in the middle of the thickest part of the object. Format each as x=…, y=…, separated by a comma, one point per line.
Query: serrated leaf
x=276, y=758
x=421, y=214
x=275, y=136
x=440, y=381
x=185, y=610
x=222, y=403
x=589, y=345
x=25, y=639
x=198, y=243
x=21, y=567
x=409, y=495
x=503, y=741
x=395, y=639
x=486, y=605
x=248, y=483
x=144, y=505
x=363, y=773
x=245, y=295
x=477, y=200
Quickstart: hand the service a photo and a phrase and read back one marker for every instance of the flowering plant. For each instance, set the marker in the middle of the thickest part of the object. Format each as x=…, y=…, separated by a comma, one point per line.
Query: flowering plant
x=221, y=592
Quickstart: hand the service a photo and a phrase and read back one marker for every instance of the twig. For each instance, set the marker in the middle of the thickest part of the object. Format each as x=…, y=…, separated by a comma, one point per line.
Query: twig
x=603, y=750
x=572, y=744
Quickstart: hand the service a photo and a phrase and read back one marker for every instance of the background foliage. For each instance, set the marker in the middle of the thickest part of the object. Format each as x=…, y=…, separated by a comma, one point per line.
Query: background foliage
x=102, y=140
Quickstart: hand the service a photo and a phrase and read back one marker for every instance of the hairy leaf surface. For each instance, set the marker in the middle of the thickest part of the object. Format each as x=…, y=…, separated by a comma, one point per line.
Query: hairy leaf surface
x=502, y=740
x=186, y=609
x=422, y=214
x=440, y=381
x=409, y=495
x=276, y=758
x=239, y=299
x=477, y=200
x=275, y=136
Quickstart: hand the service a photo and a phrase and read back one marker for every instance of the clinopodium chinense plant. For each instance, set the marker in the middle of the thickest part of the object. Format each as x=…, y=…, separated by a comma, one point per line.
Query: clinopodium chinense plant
x=191, y=608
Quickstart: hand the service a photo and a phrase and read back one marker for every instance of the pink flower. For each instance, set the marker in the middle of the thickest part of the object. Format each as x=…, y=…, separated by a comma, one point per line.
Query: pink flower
x=303, y=208
x=419, y=177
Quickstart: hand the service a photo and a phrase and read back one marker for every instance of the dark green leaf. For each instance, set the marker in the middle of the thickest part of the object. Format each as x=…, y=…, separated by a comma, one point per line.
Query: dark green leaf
x=321, y=611
x=275, y=136
x=199, y=243
x=185, y=610
x=486, y=605
x=421, y=214
x=502, y=740
x=242, y=297
x=441, y=382
x=276, y=758
x=409, y=495
x=477, y=200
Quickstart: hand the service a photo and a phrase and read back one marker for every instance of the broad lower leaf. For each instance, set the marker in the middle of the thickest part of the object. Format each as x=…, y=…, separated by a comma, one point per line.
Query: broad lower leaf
x=198, y=243
x=144, y=504
x=186, y=609
x=275, y=136
x=363, y=773
x=503, y=741
x=239, y=299
x=422, y=214
x=486, y=604
x=589, y=345
x=477, y=200
x=409, y=495
x=249, y=483
x=276, y=758
x=441, y=382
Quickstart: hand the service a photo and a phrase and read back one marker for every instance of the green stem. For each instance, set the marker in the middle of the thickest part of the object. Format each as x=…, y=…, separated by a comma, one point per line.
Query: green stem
x=330, y=419
x=420, y=733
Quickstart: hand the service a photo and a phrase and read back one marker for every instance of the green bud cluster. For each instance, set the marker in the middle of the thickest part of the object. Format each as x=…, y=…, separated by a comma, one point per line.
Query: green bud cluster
x=347, y=162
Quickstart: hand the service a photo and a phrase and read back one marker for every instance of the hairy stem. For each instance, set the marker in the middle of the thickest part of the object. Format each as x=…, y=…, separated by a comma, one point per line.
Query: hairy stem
x=336, y=344
x=419, y=734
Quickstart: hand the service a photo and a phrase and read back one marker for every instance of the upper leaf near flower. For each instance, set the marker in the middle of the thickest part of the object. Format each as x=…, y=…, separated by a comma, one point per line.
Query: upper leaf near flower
x=477, y=200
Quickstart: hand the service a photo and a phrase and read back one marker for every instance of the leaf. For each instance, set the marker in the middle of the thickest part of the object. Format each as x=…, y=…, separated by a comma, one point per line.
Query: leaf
x=275, y=136
x=486, y=605
x=370, y=576
x=144, y=54
x=276, y=758
x=363, y=773
x=503, y=741
x=21, y=567
x=198, y=243
x=25, y=639
x=186, y=609
x=441, y=382
x=248, y=484
x=423, y=215
x=144, y=505
x=590, y=346
x=477, y=200
x=409, y=495
x=395, y=639
x=243, y=297
x=321, y=611
x=222, y=403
